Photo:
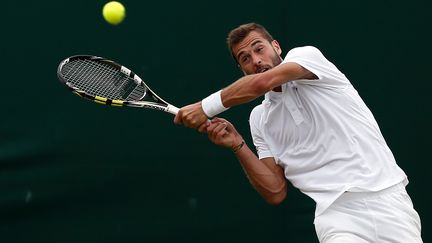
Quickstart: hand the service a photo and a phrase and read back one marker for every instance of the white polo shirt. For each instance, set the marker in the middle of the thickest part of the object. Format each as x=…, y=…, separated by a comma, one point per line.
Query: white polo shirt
x=323, y=134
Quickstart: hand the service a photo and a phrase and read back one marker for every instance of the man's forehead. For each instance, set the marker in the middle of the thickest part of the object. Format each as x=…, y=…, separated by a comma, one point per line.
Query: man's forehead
x=251, y=39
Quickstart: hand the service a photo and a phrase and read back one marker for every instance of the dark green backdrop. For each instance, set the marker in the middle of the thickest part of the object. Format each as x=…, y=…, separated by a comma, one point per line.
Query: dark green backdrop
x=75, y=171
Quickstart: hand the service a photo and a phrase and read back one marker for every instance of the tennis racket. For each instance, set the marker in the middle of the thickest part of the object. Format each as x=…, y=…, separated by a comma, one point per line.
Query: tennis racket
x=109, y=83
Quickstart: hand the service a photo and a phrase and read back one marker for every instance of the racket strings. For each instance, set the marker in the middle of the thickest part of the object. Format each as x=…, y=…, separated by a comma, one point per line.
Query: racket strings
x=103, y=80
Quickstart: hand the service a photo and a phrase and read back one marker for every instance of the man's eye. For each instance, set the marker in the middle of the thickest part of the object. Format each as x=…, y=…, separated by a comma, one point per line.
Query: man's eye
x=259, y=49
x=244, y=59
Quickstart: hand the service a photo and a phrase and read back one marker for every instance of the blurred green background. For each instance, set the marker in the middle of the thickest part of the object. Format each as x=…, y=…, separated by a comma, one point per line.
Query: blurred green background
x=75, y=171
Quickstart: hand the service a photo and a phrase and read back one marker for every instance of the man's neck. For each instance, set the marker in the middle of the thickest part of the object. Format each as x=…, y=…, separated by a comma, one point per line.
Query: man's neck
x=277, y=89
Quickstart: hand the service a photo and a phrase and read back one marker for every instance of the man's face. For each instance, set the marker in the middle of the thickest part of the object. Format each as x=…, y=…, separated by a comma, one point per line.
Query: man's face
x=255, y=54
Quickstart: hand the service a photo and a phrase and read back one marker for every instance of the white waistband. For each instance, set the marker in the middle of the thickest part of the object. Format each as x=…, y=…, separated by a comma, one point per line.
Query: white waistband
x=347, y=196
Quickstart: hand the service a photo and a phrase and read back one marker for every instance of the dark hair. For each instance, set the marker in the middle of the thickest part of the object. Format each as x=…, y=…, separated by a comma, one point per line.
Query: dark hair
x=238, y=34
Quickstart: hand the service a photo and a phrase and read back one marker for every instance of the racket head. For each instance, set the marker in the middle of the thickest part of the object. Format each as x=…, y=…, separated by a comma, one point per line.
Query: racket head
x=101, y=80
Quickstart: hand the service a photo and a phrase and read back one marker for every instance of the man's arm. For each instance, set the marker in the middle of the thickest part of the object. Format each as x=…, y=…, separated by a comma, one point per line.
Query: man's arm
x=265, y=175
x=244, y=90
x=252, y=86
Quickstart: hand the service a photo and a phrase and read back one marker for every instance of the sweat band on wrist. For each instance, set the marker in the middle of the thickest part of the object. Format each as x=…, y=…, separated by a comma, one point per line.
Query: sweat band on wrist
x=212, y=105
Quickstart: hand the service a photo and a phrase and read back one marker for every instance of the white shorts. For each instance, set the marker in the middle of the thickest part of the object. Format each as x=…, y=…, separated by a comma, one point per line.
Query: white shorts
x=357, y=217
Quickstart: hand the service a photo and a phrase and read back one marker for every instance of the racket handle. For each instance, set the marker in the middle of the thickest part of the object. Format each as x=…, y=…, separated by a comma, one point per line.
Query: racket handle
x=172, y=109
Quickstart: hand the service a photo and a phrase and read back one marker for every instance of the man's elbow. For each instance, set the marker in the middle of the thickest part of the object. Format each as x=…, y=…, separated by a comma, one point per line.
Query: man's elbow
x=260, y=85
x=277, y=198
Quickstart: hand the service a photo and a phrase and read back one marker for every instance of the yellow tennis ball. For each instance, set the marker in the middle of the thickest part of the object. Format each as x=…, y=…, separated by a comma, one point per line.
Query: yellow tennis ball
x=114, y=12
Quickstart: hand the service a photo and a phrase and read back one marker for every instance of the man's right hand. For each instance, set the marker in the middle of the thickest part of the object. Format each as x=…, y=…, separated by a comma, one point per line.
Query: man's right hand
x=191, y=116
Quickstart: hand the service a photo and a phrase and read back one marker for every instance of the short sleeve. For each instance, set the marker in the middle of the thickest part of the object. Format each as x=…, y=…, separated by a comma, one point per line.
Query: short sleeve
x=313, y=60
x=261, y=146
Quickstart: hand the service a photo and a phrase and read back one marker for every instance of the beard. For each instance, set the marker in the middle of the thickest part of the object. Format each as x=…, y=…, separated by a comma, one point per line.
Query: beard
x=275, y=60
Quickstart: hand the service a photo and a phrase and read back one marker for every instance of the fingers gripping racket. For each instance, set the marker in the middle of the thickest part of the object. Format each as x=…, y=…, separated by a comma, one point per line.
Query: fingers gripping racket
x=109, y=83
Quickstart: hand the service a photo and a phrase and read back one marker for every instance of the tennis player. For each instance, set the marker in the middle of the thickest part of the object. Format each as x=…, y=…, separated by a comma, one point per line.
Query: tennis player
x=314, y=130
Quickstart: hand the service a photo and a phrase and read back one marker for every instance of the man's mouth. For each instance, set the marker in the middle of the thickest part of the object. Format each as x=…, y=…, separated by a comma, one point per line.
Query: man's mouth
x=262, y=69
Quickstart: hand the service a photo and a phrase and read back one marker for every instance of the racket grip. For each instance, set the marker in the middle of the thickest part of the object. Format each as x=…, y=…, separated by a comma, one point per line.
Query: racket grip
x=172, y=109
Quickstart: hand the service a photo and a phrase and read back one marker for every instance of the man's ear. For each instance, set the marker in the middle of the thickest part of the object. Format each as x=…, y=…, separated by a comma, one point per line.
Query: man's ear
x=277, y=47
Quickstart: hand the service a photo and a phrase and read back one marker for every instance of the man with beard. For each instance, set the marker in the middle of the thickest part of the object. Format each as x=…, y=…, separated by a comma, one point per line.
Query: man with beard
x=314, y=130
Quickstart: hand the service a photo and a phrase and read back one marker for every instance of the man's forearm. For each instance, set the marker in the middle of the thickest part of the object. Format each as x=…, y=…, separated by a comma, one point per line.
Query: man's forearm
x=243, y=90
x=239, y=92
x=268, y=181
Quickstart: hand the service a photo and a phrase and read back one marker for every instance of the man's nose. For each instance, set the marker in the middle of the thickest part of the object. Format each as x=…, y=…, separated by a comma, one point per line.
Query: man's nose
x=256, y=60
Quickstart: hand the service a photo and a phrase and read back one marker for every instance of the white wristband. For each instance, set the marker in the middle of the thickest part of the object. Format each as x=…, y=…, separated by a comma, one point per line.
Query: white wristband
x=212, y=105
